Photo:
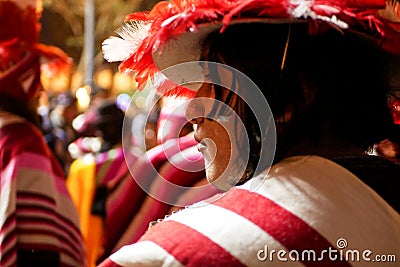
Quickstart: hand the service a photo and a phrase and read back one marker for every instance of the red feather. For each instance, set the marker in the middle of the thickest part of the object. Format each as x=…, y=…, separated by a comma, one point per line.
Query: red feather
x=170, y=19
x=21, y=36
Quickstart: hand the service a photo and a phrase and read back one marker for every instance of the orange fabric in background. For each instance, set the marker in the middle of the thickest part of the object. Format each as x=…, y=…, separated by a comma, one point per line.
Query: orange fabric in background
x=81, y=185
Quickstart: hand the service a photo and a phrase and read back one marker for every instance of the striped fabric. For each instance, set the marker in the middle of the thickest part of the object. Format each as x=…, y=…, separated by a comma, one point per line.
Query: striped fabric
x=87, y=175
x=37, y=216
x=176, y=177
x=109, y=165
x=130, y=196
x=305, y=205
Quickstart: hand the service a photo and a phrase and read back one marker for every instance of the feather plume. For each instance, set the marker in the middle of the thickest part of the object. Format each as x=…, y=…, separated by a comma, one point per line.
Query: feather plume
x=131, y=35
x=167, y=20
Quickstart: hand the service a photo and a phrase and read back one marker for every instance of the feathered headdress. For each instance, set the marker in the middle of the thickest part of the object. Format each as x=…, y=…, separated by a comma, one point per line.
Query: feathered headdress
x=146, y=35
x=21, y=54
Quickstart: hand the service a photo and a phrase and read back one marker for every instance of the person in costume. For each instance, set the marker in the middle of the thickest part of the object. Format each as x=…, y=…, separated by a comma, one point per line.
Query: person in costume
x=39, y=225
x=93, y=176
x=58, y=130
x=283, y=127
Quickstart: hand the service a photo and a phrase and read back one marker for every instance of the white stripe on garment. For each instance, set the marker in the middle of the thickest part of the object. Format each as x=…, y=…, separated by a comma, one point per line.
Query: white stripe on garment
x=7, y=203
x=230, y=231
x=148, y=253
x=38, y=181
x=28, y=164
x=37, y=185
x=334, y=202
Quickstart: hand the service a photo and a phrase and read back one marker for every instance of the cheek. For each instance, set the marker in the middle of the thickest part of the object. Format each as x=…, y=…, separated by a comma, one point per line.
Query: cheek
x=222, y=143
x=218, y=153
x=222, y=137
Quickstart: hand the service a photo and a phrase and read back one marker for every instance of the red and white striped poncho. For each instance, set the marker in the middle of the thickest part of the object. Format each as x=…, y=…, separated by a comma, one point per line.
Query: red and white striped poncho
x=304, y=204
x=37, y=216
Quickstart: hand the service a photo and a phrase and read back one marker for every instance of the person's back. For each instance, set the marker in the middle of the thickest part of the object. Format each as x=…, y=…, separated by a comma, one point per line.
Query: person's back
x=306, y=210
x=92, y=178
x=39, y=219
x=39, y=224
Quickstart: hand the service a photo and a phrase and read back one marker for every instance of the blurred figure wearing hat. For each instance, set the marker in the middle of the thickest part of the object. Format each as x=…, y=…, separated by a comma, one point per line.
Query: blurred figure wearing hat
x=93, y=176
x=39, y=223
x=291, y=94
x=59, y=132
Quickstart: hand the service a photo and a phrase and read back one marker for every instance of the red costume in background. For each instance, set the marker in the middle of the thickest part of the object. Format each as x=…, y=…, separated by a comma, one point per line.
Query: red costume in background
x=39, y=224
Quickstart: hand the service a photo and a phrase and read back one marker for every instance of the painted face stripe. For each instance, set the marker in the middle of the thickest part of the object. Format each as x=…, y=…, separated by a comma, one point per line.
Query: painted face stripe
x=285, y=227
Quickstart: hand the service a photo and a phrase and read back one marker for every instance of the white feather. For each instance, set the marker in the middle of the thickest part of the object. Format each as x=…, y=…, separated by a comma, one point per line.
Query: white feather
x=131, y=35
x=116, y=49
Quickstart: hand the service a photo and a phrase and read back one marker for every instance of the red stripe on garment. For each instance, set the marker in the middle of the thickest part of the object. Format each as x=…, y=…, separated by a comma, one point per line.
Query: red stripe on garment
x=69, y=227
x=70, y=248
x=9, y=243
x=29, y=222
x=35, y=197
x=65, y=247
x=24, y=137
x=107, y=166
x=9, y=259
x=10, y=255
x=8, y=223
x=43, y=201
x=49, y=227
x=108, y=263
x=285, y=227
x=21, y=137
x=62, y=251
x=188, y=246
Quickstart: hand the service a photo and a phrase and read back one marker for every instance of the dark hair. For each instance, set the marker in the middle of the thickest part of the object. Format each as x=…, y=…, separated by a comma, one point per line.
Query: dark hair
x=332, y=81
x=109, y=121
x=19, y=108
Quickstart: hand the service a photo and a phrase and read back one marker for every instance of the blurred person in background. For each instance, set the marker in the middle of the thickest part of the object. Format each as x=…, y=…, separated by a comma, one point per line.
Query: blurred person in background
x=87, y=140
x=60, y=133
x=39, y=224
x=93, y=175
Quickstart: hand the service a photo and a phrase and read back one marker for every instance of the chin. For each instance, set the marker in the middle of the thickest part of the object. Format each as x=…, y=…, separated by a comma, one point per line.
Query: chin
x=217, y=179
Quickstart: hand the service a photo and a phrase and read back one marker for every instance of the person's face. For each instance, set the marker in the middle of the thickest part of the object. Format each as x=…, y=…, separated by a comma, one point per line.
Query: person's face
x=213, y=138
x=220, y=133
